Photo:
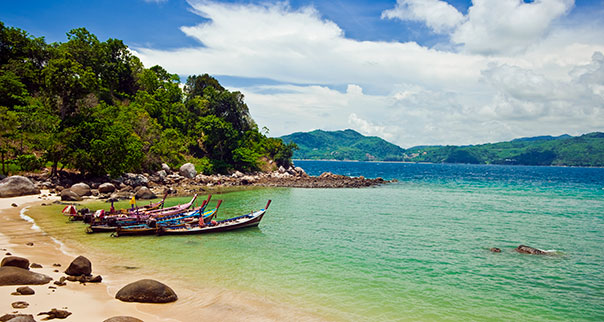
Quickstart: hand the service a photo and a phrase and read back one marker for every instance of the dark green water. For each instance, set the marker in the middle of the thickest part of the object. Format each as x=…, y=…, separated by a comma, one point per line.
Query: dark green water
x=413, y=250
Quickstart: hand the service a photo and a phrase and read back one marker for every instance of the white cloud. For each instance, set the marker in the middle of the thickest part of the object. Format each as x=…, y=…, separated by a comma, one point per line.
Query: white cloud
x=440, y=16
x=507, y=26
x=553, y=84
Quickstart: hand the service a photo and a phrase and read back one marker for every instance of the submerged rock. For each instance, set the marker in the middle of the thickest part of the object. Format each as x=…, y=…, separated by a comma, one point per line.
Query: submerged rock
x=80, y=266
x=530, y=250
x=495, y=250
x=14, y=186
x=10, y=275
x=146, y=291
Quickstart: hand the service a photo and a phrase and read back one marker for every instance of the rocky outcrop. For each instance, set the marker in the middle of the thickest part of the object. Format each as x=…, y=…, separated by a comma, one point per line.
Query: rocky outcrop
x=187, y=170
x=134, y=179
x=146, y=291
x=523, y=249
x=17, y=186
x=68, y=195
x=16, y=262
x=106, y=187
x=80, y=266
x=145, y=193
x=10, y=275
x=81, y=189
x=123, y=319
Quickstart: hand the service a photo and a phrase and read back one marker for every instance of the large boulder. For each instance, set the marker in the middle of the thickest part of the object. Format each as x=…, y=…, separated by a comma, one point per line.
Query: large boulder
x=146, y=291
x=187, y=170
x=68, y=195
x=145, y=193
x=10, y=275
x=123, y=319
x=17, y=186
x=530, y=250
x=81, y=189
x=16, y=262
x=135, y=179
x=80, y=266
x=106, y=187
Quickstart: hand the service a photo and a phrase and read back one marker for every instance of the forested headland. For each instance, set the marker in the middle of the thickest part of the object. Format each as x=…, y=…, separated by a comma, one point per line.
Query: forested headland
x=92, y=106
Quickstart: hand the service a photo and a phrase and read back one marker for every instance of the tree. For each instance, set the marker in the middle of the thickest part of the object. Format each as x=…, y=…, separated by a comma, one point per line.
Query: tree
x=8, y=125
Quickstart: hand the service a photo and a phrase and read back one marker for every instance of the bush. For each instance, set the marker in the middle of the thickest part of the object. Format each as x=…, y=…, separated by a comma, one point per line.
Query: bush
x=28, y=162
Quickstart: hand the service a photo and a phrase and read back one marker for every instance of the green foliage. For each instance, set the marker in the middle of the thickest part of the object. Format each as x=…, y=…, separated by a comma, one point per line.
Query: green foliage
x=585, y=150
x=342, y=145
x=29, y=162
x=92, y=106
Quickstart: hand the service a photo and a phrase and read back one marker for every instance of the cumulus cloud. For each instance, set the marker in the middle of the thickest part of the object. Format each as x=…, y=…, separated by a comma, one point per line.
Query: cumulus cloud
x=406, y=92
x=438, y=15
x=507, y=26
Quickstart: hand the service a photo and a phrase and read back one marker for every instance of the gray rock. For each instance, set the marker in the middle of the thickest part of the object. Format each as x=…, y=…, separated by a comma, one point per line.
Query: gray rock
x=146, y=291
x=145, y=193
x=106, y=187
x=15, y=261
x=17, y=186
x=81, y=189
x=187, y=170
x=80, y=266
x=281, y=169
x=10, y=275
x=68, y=195
x=162, y=174
x=123, y=319
x=165, y=167
x=135, y=179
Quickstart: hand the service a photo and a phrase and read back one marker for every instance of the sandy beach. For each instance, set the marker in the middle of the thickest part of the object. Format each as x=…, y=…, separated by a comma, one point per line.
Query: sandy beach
x=96, y=302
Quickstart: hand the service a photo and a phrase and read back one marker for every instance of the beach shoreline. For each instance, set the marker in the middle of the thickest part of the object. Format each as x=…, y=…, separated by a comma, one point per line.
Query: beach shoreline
x=96, y=302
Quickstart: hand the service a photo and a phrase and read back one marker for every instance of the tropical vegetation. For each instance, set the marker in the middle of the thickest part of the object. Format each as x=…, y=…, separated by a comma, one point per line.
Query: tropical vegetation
x=92, y=106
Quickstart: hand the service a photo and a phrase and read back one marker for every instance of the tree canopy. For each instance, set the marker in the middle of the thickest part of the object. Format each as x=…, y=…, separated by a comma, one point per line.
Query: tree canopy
x=92, y=106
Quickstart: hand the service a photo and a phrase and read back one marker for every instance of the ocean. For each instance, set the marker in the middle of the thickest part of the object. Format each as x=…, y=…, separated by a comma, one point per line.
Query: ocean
x=416, y=249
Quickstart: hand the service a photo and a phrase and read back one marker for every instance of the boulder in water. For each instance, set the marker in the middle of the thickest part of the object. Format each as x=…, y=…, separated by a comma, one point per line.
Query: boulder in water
x=14, y=186
x=146, y=291
x=530, y=250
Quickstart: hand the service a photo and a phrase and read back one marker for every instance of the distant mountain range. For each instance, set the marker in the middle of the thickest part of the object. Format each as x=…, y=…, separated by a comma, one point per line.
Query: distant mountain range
x=564, y=150
x=343, y=145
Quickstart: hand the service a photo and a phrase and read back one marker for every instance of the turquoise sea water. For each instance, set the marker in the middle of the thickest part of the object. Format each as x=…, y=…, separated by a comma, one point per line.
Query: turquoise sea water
x=417, y=249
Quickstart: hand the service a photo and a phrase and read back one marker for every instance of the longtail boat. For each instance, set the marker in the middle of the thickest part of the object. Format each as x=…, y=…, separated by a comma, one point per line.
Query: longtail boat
x=248, y=220
x=109, y=223
x=89, y=217
x=151, y=226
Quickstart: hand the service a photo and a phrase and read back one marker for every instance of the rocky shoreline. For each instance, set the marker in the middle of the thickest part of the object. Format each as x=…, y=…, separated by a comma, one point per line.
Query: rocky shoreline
x=185, y=181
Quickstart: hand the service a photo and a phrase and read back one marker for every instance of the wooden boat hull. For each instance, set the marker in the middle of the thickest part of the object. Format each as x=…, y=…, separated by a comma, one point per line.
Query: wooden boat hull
x=100, y=229
x=144, y=229
x=225, y=225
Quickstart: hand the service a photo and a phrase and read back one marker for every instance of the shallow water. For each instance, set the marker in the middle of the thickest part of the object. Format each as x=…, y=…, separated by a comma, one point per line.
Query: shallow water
x=413, y=250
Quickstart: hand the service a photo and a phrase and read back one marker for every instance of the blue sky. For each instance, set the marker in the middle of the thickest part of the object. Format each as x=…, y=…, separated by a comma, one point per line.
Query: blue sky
x=411, y=71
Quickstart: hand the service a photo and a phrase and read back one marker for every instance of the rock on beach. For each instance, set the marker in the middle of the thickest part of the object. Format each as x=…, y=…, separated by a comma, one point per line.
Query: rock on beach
x=146, y=291
x=80, y=266
x=15, y=261
x=14, y=186
x=10, y=275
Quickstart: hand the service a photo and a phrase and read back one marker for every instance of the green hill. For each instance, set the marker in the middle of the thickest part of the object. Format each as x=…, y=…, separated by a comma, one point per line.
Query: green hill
x=584, y=150
x=343, y=145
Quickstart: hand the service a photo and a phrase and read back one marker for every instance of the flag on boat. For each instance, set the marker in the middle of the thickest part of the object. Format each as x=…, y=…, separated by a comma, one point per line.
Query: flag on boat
x=70, y=210
x=99, y=213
